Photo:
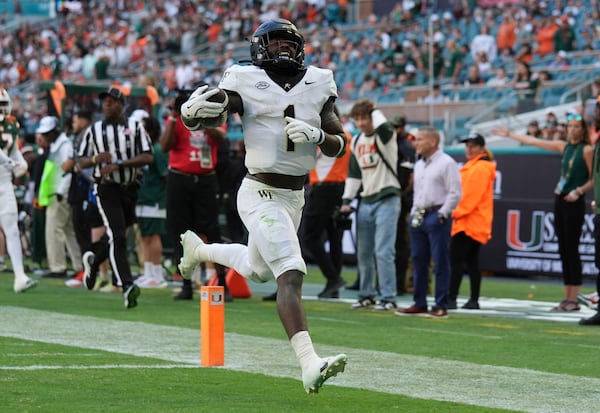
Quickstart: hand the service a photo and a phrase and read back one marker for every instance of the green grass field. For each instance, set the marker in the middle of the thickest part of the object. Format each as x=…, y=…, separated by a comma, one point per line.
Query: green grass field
x=74, y=350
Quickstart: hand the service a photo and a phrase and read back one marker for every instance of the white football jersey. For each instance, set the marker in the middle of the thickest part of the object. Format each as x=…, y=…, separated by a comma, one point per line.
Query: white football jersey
x=266, y=104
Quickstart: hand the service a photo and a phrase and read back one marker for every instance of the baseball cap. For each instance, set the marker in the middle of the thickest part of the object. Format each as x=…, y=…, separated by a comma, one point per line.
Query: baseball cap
x=114, y=93
x=398, y=121
x=474, y=137
x=47, y=124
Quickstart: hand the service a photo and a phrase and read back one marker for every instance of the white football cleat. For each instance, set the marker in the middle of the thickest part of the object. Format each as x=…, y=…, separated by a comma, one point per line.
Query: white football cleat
x=190, y=259
x=317, y=374
x=27, y=284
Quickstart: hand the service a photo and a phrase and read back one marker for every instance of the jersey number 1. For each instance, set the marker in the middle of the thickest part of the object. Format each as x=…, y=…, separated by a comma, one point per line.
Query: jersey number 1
x=289, y=111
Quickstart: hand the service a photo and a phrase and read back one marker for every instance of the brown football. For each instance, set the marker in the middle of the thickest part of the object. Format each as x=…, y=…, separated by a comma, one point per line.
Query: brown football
x=197, y=123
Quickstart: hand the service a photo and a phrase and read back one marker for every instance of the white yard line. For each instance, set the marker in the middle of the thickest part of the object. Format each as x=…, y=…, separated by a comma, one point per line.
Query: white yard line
x=415, y=376
x=100, y=367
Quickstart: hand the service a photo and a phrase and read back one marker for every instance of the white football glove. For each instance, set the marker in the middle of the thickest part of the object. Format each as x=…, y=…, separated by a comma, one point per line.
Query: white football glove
x=198, y=106
x=301, y=132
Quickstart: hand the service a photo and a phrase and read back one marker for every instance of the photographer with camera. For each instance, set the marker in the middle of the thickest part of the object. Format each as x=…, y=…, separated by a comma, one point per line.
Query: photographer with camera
x=192, y=185
x=373, y=167
x=437, y=191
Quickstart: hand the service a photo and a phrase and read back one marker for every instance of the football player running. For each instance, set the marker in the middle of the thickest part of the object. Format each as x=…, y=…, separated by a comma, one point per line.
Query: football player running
x=11, y=162
x=286, y=110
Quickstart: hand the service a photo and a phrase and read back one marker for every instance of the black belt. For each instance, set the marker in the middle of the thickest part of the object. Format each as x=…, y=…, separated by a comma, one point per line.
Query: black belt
x=328, y=183
x=294, y=183
x=432, y=208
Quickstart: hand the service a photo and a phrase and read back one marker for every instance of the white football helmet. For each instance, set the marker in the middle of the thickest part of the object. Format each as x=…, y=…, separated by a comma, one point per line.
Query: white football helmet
x=5, y=104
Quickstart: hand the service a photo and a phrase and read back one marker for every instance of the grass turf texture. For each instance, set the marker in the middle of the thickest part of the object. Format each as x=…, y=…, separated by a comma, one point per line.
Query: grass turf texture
x=70, y=378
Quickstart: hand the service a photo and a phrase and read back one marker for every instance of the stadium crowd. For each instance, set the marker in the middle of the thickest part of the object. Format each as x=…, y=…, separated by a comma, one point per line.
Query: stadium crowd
x=174, y=44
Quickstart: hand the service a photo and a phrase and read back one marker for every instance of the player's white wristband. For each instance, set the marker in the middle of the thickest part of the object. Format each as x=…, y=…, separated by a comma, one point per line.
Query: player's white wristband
x=342, y=145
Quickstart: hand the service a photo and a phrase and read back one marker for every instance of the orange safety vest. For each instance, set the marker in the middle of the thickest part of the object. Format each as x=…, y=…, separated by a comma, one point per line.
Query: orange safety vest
x=332, y=169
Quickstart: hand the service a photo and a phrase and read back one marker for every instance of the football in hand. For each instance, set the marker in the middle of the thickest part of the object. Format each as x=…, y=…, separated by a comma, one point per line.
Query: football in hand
x=197, y=123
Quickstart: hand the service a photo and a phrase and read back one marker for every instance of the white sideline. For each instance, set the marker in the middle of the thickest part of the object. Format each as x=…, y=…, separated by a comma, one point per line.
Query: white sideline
x=415, y=376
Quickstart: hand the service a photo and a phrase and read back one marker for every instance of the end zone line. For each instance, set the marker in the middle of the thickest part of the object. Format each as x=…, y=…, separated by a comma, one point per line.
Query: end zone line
x=100, y=367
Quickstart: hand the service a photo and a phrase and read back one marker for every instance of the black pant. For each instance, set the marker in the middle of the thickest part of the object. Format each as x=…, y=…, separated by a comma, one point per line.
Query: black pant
x=464, y=252
x=81, y=226
x=317, y=220
x=116, y=204
x=568, y=223
x=192, y=204
x=402, y=244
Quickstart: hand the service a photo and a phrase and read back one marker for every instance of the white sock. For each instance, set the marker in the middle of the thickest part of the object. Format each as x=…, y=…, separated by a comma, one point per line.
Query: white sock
x=147, y=269
x=304, y=349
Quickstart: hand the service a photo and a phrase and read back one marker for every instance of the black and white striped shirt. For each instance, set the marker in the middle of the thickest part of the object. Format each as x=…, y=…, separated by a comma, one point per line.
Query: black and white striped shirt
x=123, y=140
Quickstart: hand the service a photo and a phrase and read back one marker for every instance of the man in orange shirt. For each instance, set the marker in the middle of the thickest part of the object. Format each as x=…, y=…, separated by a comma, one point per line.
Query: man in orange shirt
x=545, y=36
x=472, y=218
x=506, y=36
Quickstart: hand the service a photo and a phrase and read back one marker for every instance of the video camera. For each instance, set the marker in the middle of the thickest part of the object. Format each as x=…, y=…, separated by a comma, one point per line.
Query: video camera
x=342, y=220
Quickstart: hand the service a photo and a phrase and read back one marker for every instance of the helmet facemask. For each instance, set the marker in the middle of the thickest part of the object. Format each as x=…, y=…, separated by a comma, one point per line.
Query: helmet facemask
x=278, y=34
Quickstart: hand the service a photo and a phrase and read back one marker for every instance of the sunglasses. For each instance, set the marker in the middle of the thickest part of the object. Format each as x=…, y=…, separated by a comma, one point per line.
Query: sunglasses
x=572, y=116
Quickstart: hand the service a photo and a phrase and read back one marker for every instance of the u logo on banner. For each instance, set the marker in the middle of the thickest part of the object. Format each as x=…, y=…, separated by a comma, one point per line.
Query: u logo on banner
x=513, y=229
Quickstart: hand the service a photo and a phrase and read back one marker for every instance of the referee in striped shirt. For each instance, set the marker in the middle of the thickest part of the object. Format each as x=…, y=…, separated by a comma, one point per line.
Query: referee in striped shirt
x=116, y=147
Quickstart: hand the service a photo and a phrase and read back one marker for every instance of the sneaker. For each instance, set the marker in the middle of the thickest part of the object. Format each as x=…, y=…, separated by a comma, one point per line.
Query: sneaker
x=384, y=305
x=590, y=300
x=452, y=304
x=152, y=283
x=332, y=289
x=354, y=287
x=189, y=261
x=314, y=378
x=89, y=273
x=363, y=302
x=437, y=312
x=130, y=296
x=412, y=310
x=470, y=305
x=186, y=293
x=270, y=297
x=142, y=279
x=109, y=288
x=591, y=321
x=76, y=281
x=27, y=284
x=59, y=274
